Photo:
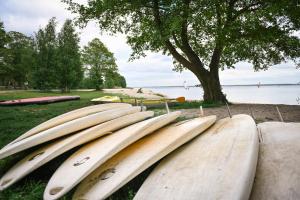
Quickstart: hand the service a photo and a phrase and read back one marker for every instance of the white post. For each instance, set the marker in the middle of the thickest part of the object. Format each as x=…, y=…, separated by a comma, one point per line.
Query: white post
x=280, y=116
x=228, y=110
x=167, y=107
x=142, y=105
x=201, y=111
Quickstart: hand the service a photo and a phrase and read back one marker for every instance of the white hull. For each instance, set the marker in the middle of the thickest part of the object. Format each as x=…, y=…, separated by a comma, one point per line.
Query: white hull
x=92, y=155
x=278, y=168
x=219, y=164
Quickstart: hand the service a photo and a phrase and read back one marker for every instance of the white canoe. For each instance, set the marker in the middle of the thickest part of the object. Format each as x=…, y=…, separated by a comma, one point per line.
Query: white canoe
x=278, y=170
x=66, y=128
x=75, y=114
x=219, y=164
x=92, y=155
x=50, y=151
x=137, y=157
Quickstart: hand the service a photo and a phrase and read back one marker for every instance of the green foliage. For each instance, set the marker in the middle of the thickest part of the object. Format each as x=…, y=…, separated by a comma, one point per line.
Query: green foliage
x=16, y=51
x=45, y=76
x=69, y=67
x=114, y=79
x=101, y=66
x=86, y=83
x=3, y=39
x=3, y=51
x=30, y=191
x=19, y=60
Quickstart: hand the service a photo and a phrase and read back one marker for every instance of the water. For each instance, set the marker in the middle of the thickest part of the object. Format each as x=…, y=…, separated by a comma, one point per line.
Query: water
x=265, y=94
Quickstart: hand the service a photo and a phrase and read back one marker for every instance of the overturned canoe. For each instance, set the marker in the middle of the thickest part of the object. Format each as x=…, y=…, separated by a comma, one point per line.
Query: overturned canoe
x=219, y=164
x=137, y=157
x=278, y=169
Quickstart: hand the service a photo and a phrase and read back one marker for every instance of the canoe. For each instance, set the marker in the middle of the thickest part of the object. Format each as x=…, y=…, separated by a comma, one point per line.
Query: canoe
x=38, y=100
x=92, y=155
x=219, y=164
x=46, y=153
x=74, y=114
x=134, y=159
x=278, y=172
x=66, y=128
x=106, y=99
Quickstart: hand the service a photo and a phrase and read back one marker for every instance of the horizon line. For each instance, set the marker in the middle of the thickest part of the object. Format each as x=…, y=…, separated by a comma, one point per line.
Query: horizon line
x=198, y=85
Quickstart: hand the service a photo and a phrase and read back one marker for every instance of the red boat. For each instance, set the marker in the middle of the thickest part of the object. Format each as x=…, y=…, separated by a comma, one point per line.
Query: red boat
x=38, y=100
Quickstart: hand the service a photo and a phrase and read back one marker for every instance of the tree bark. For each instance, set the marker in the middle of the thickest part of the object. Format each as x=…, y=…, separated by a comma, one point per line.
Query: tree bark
x=212, y=89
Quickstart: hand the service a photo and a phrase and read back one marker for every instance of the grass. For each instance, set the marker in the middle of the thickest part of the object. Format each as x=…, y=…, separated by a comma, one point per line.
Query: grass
x=16, y=120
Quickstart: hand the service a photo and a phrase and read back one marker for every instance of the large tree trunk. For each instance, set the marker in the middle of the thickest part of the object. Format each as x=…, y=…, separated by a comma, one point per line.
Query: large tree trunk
x=212, y=89
x=210, y=83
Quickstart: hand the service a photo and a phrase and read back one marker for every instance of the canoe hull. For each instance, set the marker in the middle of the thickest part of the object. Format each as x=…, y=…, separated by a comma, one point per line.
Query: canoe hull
x=219, y=164
x=278, y=172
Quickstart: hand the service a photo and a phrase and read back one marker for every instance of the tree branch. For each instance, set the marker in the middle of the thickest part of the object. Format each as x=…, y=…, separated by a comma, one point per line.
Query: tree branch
x=249, y=8
x=168, y=44
x=176, y=40
x=186, y=48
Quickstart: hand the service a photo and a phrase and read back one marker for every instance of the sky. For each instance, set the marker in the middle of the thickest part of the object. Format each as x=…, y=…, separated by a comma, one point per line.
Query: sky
x=27, y=16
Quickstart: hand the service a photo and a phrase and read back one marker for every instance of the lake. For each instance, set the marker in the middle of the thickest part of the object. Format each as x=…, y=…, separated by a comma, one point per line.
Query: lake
x=266, y=94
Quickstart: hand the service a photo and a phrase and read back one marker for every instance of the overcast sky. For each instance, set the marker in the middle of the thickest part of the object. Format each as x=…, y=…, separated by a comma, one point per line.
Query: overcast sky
x=27, y=16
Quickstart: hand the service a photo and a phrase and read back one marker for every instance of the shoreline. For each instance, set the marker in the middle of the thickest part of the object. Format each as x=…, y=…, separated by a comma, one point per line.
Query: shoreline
x=261, y=112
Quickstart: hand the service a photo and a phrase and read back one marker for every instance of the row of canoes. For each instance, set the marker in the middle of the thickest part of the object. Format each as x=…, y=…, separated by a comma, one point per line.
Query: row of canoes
x=119, y=141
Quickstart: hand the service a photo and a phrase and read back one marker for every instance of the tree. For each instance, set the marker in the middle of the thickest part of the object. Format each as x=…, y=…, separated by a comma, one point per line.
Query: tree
x=3, y=54
x=19, y=58
x=202, y=36
x=69, y=67
x=99, y=60
x=44, y=74
x=16, y=51
x=114, y=79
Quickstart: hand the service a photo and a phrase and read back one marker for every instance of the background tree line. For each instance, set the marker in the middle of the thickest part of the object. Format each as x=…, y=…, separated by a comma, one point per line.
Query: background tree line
x=50, y=60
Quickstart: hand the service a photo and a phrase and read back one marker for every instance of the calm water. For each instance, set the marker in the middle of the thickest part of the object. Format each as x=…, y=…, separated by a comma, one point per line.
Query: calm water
x=268, y=94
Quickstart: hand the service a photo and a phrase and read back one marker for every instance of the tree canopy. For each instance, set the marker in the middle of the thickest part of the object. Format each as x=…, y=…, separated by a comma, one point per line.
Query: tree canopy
x=68, y=57
x=19, y=60
x=101, y=65
x=45, y=76
x=204, y=35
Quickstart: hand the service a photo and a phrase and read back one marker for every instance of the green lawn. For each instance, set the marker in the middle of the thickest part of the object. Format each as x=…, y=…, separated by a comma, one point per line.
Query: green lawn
x=16, y=120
